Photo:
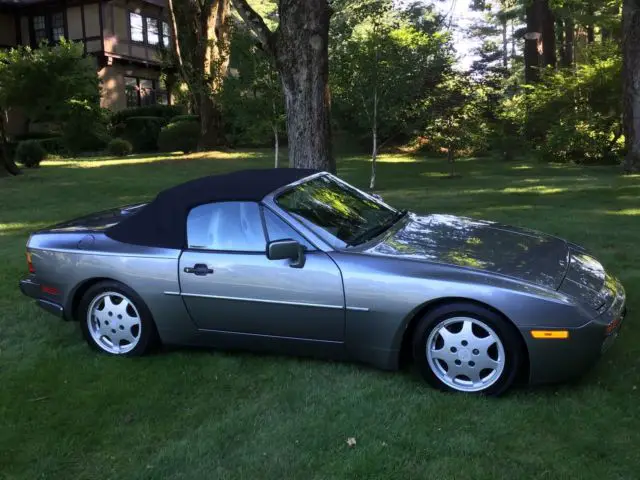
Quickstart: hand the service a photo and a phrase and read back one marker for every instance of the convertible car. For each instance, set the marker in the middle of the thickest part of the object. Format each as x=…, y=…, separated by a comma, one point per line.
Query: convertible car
x=300, y=262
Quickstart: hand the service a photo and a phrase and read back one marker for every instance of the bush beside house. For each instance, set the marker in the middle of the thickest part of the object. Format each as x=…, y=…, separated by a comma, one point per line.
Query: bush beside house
x=182, y=136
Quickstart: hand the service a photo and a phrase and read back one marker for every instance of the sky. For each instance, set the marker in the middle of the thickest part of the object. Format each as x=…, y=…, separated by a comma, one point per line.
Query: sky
x=461, y=17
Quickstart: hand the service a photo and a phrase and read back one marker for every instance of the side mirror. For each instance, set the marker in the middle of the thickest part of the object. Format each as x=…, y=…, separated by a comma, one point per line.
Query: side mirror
x=287, y=250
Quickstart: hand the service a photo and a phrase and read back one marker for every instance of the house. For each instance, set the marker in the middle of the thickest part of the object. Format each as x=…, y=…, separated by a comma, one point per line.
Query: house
x=126, y=38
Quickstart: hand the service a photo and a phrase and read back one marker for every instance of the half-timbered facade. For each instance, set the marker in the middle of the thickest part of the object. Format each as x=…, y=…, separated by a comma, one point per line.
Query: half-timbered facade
x=126, y=38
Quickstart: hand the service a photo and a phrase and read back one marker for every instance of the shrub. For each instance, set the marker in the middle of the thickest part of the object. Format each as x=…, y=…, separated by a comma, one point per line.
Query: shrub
x=179, y=136
x=34, y=136
x=182, y=118
x=163, y=111
x=54, y=145
x=85, y=129
x=30, y=153
x=141, y=132
x=119, y=147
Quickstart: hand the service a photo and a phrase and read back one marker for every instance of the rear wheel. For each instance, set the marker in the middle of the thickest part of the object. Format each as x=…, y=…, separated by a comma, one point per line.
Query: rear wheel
x=467, y=348
x=115, y=320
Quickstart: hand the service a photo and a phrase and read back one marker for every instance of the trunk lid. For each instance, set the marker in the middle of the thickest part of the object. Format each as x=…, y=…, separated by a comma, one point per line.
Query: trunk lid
x=95, y=222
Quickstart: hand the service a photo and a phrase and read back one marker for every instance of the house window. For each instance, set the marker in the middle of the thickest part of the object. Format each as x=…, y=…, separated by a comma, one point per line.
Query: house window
x=131, y=91
x=57, y=26
x=40, y=29
x=147, y=92
x=143, y=92
x=166, y=35
x=137, y=27
x=153, y=35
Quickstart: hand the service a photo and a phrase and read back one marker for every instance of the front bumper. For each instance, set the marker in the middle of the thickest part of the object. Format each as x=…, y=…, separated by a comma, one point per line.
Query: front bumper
x=33, y=290
x=553, y=361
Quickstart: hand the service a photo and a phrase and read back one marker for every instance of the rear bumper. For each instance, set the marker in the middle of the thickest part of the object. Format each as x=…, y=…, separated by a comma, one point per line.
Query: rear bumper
x=553, y=361
x=32, y=289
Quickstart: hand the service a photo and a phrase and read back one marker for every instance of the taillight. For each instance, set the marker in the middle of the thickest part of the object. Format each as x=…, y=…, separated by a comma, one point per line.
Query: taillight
x=30, y=264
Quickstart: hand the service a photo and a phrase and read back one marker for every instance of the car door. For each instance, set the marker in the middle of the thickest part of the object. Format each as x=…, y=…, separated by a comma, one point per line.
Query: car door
x=229, y=285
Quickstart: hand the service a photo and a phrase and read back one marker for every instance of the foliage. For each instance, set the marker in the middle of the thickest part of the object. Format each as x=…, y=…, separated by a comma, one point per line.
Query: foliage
x=54, y=145
x=251, y=100
x=30, y=153
x=46, y=82
x=179, y=136
x=572, y=115
x=161, y=111
x=385, y=66
x=119, y=147
x=455, y=123
x=180, y=118
x=141, y=132
x=86, y=129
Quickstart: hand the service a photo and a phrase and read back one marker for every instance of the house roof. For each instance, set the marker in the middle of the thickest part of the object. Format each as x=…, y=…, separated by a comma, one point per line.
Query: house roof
x=162, y=222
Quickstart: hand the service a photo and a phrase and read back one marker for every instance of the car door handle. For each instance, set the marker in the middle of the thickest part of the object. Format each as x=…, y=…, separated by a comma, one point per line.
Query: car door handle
x=199, y=269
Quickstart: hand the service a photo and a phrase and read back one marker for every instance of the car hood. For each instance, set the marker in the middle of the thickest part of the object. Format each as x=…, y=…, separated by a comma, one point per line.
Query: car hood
x=515, y=252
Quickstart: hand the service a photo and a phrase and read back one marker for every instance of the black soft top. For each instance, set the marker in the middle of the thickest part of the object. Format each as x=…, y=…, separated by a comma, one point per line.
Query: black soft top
x=162, y=223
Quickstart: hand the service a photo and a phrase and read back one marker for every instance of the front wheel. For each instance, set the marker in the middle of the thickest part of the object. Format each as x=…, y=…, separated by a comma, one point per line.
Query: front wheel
x=467, y=348
x=114, y=320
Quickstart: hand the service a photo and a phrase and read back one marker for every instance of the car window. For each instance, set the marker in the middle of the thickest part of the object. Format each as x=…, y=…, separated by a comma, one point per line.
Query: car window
x=277, y=229
x=341, y=210
x=229, y=226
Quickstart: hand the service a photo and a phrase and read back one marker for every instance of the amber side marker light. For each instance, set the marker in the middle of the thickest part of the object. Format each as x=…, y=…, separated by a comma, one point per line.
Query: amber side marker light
x=550, y=334
x=29, y=264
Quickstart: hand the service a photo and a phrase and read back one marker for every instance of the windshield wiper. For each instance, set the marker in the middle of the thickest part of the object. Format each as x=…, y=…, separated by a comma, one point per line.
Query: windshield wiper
x=377, y=230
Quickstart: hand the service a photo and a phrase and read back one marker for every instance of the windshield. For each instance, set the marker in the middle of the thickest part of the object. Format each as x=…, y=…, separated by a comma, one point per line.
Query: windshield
x=346, y=213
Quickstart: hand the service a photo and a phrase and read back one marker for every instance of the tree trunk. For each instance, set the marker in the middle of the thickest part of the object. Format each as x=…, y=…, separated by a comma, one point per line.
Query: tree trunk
x=7, y=165
x=540, y=47
x=533, y=42
x=276, y=133
x=300, y=48
x=505, y=44
x=591, y=34
x=567, y=46
x=203, y=60
x=302, y=59
x=211, y=135
x=374, y=150
x=631, y=78
x=548, y=36
x=451, y=161
x=513, y=39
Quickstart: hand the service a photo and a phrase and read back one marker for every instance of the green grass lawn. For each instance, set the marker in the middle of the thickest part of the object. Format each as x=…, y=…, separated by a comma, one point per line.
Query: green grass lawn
x=66, y=412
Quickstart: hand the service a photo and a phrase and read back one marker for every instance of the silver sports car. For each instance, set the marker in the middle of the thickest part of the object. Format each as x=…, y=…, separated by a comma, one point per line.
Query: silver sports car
x=300, y=262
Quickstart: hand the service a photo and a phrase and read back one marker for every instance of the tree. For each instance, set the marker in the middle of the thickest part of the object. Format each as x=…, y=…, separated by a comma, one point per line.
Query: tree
x=383, y=69
x=456, y=117
x=631, y=79
x=201, y=32
x=71, y=81
x=252, y=96
x=299, y=48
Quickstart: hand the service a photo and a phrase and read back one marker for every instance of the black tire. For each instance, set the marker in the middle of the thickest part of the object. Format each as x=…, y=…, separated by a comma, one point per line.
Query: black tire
x=503, y=329
x=145, y=334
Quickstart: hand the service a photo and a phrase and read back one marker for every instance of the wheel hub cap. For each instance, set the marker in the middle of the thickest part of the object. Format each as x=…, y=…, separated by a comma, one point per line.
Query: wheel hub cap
x=465, y=354
x=114, y=323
